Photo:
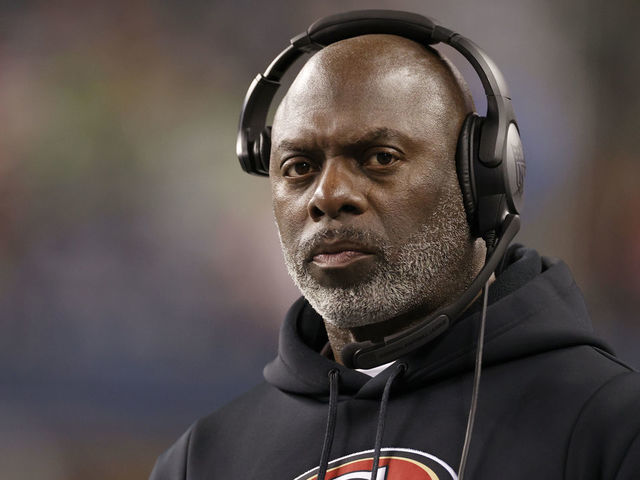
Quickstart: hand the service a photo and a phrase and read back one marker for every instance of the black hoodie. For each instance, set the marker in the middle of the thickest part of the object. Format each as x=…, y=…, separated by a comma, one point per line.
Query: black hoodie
x=554, y=403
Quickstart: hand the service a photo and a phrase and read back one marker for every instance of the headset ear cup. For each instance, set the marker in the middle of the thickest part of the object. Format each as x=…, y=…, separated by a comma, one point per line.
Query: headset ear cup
x=465, y=153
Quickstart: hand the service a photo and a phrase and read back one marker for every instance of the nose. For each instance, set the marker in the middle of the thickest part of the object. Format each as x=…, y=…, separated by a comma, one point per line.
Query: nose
x=338, y=191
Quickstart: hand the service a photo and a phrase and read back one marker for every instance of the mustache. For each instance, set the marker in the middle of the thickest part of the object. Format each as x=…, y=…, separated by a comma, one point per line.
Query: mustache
x=372, y=241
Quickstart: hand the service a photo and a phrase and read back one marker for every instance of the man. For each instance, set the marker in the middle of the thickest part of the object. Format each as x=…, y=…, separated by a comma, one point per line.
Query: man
x=374, y=233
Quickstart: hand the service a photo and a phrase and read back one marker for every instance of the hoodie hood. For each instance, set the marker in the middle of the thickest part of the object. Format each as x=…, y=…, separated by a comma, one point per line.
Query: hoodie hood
x=534, y=307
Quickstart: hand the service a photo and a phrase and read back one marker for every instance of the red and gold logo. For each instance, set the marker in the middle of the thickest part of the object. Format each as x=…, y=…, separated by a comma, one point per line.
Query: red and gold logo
x=395, y=464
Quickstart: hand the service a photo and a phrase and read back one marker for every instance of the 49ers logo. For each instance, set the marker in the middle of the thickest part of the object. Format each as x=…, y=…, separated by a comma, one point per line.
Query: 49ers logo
x=395, y=464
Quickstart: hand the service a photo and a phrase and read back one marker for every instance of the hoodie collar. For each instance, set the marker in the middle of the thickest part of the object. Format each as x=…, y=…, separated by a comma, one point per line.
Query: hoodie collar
x=299, y=367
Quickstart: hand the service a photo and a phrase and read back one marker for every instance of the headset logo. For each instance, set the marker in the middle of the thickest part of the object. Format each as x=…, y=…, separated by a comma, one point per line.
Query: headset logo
x=518, y=159
x=395, y=464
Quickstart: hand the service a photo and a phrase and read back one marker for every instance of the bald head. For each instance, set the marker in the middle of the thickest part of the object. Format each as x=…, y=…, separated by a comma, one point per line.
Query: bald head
x=378, y=72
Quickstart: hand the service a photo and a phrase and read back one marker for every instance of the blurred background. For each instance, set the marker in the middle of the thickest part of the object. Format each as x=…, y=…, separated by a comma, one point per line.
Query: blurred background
x=141, y=280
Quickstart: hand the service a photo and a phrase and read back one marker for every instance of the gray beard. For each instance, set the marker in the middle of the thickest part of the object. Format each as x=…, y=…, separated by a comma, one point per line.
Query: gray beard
x=434, y=265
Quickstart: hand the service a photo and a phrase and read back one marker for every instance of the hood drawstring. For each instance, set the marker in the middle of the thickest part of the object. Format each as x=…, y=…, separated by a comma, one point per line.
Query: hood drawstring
x=331, y=423
x=398, y=370
x=334, y=376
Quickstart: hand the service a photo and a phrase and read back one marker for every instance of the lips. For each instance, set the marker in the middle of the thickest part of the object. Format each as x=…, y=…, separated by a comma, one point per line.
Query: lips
x=338, y=254
x=339, y=258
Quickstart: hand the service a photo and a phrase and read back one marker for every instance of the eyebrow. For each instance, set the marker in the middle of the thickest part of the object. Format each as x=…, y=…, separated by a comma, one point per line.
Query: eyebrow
x=380, y=134
x=377, y=134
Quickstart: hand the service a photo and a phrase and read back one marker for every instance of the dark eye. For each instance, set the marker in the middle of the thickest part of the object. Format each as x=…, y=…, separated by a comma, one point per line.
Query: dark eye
x=381, y=158
x=384, y=158
x=296, y=168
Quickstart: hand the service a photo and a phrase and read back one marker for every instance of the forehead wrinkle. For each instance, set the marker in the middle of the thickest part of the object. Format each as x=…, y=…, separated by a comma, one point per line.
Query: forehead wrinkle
x=358, y=138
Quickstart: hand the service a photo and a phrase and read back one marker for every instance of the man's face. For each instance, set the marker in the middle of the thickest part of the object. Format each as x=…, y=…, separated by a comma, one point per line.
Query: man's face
x=365, y=196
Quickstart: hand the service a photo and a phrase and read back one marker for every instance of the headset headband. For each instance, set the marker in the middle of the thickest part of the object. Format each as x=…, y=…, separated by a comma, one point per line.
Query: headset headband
x=338, y=27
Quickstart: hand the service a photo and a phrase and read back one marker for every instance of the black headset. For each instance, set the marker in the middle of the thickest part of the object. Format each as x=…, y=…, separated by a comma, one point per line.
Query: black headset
x=489, y=157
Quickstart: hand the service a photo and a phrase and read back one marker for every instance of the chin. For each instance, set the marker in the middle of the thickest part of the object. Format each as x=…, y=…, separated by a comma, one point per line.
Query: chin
x=344, y=277
x=353, y=307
